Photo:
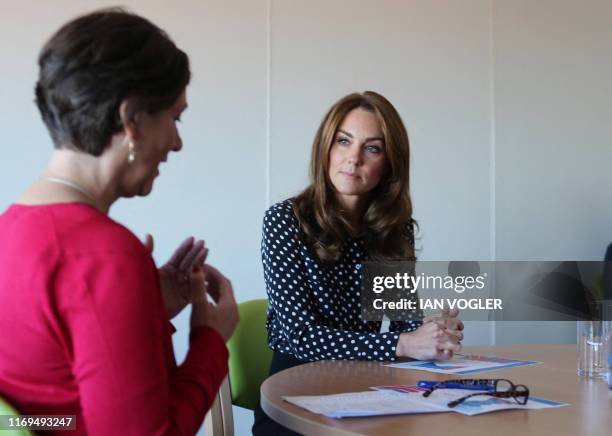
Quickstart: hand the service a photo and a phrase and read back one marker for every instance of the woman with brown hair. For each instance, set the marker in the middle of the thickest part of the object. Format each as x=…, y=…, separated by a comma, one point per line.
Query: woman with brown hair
x=357, y=208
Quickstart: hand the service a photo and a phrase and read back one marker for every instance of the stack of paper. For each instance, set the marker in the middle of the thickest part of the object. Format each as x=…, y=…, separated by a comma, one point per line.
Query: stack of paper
x=392, y=402
x=369, y=403
x=463, y=364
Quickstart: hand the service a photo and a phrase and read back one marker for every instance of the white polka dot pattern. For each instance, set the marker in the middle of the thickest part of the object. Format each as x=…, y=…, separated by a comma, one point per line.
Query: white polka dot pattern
x=314, y=310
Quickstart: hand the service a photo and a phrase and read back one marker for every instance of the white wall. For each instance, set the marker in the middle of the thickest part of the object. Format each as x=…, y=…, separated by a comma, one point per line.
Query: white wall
x=507, y=104
x=553, y=113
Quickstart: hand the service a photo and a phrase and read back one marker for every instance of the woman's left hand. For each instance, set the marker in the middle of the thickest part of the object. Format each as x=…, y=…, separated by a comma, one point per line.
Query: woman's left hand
x=448, y=319
x=174, y=276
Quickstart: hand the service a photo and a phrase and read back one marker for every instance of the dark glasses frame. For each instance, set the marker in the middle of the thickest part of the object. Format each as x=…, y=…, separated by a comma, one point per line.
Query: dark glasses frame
x=520, y=394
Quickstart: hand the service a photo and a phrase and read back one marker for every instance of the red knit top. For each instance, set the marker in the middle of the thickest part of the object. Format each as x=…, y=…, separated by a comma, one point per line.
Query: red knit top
x=84, y=331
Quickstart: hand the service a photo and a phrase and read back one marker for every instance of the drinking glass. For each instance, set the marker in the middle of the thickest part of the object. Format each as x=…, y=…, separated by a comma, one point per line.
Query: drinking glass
x=607, y=319
x=592, y=349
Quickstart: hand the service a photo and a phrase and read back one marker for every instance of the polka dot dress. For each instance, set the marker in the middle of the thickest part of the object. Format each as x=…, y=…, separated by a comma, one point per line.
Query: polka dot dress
x=314, y=310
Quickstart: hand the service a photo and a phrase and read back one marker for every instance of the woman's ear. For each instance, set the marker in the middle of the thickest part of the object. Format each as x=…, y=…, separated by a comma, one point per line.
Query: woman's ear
x=127, y=114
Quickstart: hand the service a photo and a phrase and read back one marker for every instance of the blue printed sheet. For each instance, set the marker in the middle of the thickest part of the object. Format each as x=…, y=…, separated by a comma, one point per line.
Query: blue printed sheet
x=463, y=364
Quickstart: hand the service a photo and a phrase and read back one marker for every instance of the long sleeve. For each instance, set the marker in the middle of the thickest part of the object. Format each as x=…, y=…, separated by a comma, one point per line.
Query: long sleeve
x=89, y=335
x=306, y=314
x=118, y=339
x=404, y=326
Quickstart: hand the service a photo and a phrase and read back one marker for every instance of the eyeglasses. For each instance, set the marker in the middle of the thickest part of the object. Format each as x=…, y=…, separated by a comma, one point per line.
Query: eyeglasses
x=498, y=388
x=520, y=393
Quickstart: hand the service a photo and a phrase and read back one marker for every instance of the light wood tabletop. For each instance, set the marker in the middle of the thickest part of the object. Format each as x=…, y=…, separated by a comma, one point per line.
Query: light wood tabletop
x=589, y=413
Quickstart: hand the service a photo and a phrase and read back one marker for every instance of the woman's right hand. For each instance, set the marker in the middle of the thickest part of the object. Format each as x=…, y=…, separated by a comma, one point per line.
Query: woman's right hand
x=430, y=341
x=221, y=316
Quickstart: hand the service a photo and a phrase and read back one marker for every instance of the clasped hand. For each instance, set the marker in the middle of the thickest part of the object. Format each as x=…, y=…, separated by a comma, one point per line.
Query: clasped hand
x=438, y=338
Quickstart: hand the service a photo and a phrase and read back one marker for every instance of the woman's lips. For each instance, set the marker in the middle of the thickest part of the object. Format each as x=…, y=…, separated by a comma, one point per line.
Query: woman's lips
x=351, y=175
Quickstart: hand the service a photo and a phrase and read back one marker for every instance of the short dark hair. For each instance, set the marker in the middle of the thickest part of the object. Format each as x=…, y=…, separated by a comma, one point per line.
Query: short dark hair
x=95, y=62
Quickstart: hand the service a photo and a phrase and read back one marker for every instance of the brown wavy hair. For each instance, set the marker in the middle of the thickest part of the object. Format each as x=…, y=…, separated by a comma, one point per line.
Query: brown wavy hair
x=387, y=223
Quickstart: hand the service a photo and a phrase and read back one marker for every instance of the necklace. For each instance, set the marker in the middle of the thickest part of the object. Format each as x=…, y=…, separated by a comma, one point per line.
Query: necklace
x=72, y=185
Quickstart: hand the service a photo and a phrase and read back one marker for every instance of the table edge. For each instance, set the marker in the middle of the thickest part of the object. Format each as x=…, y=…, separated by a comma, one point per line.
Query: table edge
x=296, y=422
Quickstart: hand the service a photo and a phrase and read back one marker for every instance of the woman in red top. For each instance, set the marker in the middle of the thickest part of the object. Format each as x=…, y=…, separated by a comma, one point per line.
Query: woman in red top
x=83, y=310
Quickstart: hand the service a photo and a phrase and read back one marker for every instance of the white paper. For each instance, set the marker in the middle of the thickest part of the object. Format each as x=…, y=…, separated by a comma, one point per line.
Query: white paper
x=384, y=402
x=368, y=403
x=484, y=403
x=463, y=364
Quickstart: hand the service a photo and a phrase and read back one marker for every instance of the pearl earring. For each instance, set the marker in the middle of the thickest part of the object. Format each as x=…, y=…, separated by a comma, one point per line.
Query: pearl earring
x=131, y=152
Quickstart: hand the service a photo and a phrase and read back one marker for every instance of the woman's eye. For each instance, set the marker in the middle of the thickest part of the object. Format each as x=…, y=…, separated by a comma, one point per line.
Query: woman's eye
x=373, y=149
x=342, y=141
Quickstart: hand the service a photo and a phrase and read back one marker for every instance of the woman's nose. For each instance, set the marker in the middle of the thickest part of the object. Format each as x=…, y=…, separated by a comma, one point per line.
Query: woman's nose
x=354, y=157
x=178, y=143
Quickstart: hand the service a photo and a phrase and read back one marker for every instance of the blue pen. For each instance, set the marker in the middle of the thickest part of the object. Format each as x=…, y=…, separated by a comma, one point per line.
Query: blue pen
x=429, y=384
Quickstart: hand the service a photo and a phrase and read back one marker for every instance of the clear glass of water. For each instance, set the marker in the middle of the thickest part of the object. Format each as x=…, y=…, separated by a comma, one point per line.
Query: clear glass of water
x=607, y=317
x=593, y=349
x=610, y=359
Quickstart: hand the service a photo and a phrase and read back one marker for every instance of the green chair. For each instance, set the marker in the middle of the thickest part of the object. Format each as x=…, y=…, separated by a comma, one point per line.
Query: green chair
x=249, y=365
x=8, y=410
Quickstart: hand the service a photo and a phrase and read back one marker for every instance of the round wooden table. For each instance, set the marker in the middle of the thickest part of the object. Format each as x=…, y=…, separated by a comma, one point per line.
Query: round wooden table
x=589, y=413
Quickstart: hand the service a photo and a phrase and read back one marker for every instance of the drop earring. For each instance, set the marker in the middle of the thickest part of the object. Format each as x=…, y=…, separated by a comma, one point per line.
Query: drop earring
x=131, y=152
